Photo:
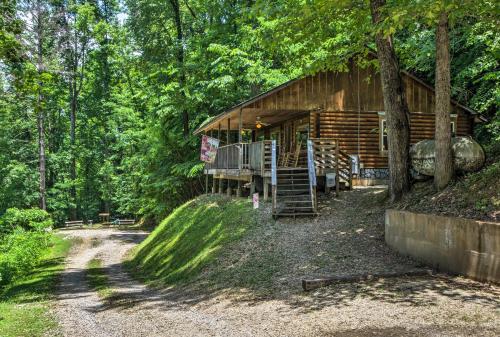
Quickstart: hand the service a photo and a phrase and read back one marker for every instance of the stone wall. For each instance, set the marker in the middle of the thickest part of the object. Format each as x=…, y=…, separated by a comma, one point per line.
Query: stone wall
x=456, y=245
x=374, y=173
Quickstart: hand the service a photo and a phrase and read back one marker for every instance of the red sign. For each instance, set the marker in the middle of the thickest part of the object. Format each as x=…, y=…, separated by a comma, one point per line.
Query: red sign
x=209, y=147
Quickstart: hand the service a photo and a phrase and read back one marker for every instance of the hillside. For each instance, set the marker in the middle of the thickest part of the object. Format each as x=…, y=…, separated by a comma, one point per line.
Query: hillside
x=189, y=238
x=475, y=196
x=213, y=243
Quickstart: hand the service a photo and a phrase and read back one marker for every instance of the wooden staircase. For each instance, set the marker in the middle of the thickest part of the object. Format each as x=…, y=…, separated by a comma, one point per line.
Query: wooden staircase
x=294, y=188
x=292, y=194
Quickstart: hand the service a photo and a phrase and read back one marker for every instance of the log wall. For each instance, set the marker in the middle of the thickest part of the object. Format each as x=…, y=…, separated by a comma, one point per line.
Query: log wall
x=343, y=125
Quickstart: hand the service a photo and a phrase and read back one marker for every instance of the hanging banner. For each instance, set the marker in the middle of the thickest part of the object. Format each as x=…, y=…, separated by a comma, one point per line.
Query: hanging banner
x=209, y=148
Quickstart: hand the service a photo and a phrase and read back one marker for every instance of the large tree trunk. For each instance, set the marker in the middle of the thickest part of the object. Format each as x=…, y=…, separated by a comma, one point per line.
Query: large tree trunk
x=397, y=113
x=40, y=111
x=72, y=137
x=180, y=60
x=444, y=160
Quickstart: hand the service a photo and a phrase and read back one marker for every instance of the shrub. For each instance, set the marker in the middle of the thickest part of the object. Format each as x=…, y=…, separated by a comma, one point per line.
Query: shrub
x=33, y=219
x=20, y=252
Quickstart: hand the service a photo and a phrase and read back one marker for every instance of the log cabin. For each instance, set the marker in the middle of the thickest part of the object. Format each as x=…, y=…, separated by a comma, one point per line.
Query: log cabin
x=338, y=116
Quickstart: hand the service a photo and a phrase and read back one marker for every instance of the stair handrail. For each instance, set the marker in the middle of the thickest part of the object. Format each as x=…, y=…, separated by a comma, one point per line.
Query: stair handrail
x=312, y=173
x=274, y=174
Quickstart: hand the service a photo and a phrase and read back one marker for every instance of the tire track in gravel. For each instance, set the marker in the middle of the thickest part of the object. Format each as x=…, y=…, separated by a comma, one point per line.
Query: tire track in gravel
x=133, y=310
x=403, y=307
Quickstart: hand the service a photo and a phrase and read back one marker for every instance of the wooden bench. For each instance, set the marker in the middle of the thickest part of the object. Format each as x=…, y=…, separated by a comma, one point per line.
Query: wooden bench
x=77, y=223
x=124, y=222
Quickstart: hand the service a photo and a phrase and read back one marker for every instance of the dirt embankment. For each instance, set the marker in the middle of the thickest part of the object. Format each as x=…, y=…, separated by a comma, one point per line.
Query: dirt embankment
x=474, y=196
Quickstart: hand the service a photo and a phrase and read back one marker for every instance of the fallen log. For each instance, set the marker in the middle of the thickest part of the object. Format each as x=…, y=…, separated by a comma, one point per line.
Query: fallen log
x=326, y=281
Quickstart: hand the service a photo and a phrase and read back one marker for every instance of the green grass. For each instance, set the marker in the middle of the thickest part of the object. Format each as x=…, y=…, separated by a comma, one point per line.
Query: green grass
x=190, y=238
x=98, y=279
x=24, y=305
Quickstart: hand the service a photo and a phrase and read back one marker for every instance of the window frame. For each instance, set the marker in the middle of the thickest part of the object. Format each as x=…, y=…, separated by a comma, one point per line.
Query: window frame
x=453, y=124
x=381, y=122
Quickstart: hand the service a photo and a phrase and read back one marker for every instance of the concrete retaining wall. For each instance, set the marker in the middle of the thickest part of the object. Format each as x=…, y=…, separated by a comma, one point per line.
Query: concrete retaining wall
x=456, y=245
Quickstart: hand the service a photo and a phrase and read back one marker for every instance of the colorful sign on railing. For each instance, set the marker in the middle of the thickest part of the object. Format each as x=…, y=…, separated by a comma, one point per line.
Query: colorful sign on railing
x=209, y=148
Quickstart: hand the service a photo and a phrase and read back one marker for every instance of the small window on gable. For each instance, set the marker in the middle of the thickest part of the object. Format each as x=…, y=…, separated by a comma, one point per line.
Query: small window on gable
x=383, y=140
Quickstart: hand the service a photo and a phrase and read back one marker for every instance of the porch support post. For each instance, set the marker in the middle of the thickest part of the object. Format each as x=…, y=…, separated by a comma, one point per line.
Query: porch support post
x=240, y=127
x=228, y=141
x=266, y=189
x=218, y=133
x=337, y=163
x=252, y=185
x=221, y=185
x=238, y=190
x=214, y=185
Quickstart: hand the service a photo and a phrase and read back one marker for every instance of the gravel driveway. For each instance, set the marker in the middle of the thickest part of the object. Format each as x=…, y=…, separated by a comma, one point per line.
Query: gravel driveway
x=412, y=306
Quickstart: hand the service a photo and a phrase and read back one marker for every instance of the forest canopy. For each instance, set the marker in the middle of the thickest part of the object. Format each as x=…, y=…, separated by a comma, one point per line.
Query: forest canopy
x=101, y=97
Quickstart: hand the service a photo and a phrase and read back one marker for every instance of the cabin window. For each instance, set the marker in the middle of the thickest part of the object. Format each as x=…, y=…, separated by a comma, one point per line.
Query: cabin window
x=453, y=124
x=383, y=140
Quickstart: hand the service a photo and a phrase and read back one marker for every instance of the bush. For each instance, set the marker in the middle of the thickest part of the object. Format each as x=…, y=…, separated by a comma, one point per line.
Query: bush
x=33, y=219
x=23, y=239
x=20, y=252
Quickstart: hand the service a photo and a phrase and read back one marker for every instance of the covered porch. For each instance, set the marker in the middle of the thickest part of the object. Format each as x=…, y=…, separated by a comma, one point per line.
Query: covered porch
x=271, y=143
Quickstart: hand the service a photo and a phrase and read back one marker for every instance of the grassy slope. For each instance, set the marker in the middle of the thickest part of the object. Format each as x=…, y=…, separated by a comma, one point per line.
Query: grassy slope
x=24, y=307
x=190, y=238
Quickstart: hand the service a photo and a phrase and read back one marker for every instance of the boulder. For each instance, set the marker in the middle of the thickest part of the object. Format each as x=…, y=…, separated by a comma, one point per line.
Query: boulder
x=468, y=155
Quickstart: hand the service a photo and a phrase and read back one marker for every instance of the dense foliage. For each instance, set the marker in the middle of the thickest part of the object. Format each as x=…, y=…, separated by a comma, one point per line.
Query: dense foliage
x=24, y=237
x=116, y=89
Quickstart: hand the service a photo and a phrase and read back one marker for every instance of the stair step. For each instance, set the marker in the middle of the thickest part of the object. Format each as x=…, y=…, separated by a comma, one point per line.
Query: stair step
x=301, y=174
x=295, y=214
x=297, y=207
x=293, y=178
x=281, y=169
x=295, y=197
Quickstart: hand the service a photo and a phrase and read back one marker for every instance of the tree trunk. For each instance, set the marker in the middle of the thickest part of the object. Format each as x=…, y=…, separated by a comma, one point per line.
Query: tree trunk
x=180, y=60
x=72, y=126
x=397, y=113
x=40, y=112
x=444, y=159
x=72, y=137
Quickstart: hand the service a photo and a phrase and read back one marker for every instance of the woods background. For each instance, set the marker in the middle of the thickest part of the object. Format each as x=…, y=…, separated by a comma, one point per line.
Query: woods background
x=101, y=97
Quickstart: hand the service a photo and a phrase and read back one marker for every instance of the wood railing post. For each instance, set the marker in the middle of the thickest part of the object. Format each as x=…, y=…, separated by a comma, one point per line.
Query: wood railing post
x=311, y=167
x=274, y=175
x=350, y=172
x=337, y=171
x=263, y=158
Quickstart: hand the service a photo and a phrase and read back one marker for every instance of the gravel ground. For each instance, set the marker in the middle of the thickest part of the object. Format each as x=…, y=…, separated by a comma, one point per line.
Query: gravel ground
x=347, y=238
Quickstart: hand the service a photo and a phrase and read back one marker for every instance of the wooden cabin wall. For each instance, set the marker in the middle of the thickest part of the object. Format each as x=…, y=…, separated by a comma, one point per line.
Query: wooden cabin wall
x=337, y=101
x=343, y=125
x=338, y=91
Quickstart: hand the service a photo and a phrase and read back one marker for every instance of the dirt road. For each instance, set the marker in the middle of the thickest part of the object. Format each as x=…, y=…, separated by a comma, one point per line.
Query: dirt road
x=424, y=306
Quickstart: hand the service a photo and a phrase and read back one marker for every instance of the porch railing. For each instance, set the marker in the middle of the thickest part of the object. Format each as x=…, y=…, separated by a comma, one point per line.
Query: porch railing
x=328, y=157
x=260, y=156
x=232, y=156
x=254, y=156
